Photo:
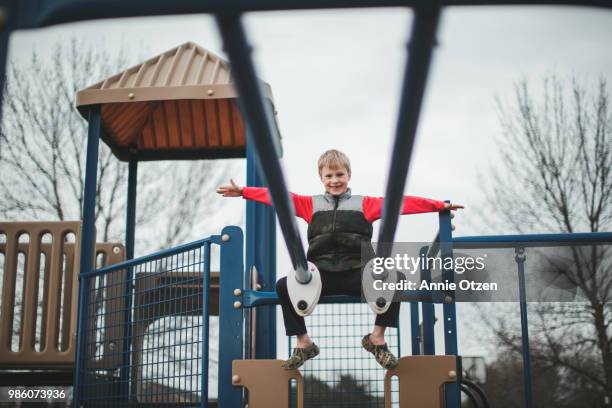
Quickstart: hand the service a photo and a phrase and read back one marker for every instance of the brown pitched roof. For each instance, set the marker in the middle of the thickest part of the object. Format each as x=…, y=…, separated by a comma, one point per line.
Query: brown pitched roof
x=178, y=105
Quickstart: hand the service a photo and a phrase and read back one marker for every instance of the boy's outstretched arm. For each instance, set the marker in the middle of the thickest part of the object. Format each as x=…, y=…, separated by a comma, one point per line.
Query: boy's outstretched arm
x=372, y=206
x=302, y=204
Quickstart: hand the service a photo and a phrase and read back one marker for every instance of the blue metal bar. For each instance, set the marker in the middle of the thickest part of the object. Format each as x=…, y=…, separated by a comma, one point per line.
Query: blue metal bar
x=130, y=222
x=520, y=261
x=88, y=238
x=148, y=258
x=398, y=334
x=260, y=122
x=422, y=41
x=130, y=233
x=252, y=298
x=532, y=240
x=250, y=251
x=230, y=317
x=260, y=253
x=205, y=324
x=415, y=335
x=428, y=311
x=426, y=331
x=453, y=394
x=37, y=13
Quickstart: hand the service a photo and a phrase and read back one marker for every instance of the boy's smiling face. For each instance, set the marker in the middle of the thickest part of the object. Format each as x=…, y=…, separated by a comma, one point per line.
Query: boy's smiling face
x=335, y=180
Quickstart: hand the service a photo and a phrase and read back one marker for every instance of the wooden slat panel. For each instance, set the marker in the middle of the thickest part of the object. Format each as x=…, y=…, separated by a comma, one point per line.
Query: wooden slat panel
x=212, y=129
x=184, y=113
x=128, y=128
x=8, y=290
x=49, y=354
x=46, y=249
x=174, y=137
x=225, y=126
x=51, y=331
x=111, y=112
x=59, y=255
x=159, y=124
x=238, y=126
x=147, y=139
x=30, y=293
x=199, y=123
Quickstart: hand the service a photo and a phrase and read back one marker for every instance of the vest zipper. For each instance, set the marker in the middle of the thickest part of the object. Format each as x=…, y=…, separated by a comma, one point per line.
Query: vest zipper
x=335, y=211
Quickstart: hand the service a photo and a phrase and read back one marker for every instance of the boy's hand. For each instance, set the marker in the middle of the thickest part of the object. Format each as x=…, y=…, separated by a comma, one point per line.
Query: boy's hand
x=233, y=190
x=450, y=206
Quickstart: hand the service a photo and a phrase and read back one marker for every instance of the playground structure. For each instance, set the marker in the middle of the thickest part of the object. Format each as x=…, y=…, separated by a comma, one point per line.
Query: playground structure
x=54, y=262
x=189, y=92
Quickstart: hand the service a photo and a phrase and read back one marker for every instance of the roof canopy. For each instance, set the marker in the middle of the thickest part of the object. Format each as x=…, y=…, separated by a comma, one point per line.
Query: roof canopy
x=178, y=105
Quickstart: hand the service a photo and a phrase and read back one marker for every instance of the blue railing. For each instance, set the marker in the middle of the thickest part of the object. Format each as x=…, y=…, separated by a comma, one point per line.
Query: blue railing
x=158, y=342
x=157, y=347
x=520, y=243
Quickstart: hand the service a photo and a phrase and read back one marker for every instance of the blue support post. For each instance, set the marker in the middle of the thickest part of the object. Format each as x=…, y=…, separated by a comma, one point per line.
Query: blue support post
x=520, y=261
x=88, y=237
x=130, y=236
x=429, y=314
x=130, y=222
x=453, y=396
x=260, y=253
x=415, y=335
x=230, y=317
x=205, y=325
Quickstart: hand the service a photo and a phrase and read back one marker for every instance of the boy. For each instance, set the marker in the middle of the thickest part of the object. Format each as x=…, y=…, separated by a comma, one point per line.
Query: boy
x=338, y=224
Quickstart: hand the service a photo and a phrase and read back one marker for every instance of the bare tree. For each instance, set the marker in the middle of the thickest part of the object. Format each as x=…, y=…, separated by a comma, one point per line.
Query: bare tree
x=42, y=153
x=556, y=176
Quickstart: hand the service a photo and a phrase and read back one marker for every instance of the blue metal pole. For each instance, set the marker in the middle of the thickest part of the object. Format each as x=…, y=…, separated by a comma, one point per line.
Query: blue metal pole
x=261, y=253
x=520, y=258
x=230, y=317
x=130, y=234
x=422, y=40
x=130, y=223
x=88, y=238
x=262, y=130
x=205, y=324
x=535, y=240
x=250, y=250
x=453, y=396
x=415, y=335
x=429, y=315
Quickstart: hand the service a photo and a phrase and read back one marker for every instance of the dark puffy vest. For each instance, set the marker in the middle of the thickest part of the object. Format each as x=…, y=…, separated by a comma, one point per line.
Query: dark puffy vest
x=337, y=231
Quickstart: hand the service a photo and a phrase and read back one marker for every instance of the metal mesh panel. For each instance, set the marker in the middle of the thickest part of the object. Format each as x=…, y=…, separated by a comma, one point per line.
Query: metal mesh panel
x=344, y=374
x=145, y=333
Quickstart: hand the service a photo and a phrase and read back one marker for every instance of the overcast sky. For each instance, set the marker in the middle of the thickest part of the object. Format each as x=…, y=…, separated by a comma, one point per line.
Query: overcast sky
x=336, y=79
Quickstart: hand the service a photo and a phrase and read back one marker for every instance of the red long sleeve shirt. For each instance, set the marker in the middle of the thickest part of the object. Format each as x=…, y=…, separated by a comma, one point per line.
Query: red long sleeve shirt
x=372, y=206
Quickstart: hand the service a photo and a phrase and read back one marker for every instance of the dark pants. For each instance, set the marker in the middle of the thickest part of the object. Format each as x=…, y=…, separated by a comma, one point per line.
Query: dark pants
x=334, y=283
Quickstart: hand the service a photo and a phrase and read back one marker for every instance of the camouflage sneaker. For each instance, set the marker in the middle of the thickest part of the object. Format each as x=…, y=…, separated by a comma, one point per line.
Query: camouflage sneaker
x=381, y=353
x=299, y=357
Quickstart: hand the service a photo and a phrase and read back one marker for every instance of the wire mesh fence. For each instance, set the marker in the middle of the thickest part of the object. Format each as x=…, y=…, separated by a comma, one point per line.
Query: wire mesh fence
x=344, y=375
x=147, y=331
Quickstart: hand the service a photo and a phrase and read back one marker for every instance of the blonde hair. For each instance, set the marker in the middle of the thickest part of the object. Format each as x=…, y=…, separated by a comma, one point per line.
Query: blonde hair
x=334, y=159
